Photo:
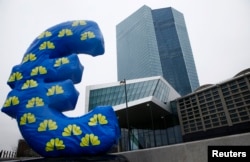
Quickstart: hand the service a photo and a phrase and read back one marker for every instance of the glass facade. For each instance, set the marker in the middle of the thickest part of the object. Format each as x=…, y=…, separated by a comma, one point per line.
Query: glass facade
x=137, y=52
x=147, y=138
x=138, y=90
x=156, y=42
x=175, y=50
x=115, y=95
x=143, y=109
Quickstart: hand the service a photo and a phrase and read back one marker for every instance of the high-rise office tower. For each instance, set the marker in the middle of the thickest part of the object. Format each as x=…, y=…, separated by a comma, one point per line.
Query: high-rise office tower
x=156, y=42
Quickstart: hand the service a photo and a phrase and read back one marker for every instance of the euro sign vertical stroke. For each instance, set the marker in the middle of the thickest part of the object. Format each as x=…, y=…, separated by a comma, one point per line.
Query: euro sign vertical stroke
x=43, y=87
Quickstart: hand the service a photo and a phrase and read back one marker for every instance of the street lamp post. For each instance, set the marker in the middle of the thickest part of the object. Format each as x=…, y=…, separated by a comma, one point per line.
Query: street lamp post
x=152, y=122
x=126, y=109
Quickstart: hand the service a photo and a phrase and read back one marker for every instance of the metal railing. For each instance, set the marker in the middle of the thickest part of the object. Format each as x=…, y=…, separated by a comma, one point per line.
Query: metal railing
x=7, y=154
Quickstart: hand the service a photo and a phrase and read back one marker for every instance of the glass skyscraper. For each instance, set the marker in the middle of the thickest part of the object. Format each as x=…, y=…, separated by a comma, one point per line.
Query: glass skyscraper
x=156, y=43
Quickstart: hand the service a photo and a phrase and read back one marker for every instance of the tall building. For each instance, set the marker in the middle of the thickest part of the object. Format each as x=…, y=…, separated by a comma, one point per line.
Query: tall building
x=156, y=43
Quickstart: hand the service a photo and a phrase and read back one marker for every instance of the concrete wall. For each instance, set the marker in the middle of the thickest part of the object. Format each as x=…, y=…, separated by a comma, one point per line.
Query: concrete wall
x=185, y=152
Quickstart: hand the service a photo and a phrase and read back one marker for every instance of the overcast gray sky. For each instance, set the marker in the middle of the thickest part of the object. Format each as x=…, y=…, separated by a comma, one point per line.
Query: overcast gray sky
x=219, y=32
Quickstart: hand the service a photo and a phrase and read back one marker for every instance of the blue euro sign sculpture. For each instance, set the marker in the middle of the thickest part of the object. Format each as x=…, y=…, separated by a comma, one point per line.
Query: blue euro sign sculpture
x=43, y=87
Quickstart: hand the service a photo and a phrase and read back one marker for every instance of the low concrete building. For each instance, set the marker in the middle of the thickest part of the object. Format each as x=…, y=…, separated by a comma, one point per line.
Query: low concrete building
x=216, y=110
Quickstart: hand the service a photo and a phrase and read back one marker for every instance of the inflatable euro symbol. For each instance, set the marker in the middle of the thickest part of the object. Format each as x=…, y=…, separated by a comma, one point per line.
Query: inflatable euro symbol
x=43, y=87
